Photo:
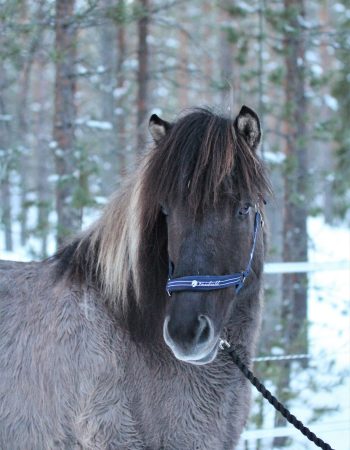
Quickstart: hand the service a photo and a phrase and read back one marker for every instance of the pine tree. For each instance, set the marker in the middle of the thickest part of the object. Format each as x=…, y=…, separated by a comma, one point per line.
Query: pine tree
x=341, y=91
x=142, y=72
x=68, y=215
x=294, y=306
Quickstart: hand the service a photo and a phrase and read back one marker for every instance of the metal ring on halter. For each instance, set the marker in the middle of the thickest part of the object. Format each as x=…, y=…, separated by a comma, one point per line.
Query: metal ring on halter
x=224, y=344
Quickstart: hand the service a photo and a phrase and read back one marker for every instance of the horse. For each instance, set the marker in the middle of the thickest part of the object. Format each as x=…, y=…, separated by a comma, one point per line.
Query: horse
x=95, y=353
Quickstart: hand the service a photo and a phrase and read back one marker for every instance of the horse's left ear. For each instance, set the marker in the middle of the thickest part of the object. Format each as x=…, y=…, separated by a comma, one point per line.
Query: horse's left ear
x=247, y=124
x=158, y=127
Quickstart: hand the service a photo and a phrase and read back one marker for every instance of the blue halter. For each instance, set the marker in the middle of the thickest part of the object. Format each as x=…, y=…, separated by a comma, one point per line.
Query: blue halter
x=198, y=283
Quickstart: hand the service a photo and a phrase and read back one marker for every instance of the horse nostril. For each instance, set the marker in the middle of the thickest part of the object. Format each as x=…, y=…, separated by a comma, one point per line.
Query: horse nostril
x=190, y=334
x=203, y=330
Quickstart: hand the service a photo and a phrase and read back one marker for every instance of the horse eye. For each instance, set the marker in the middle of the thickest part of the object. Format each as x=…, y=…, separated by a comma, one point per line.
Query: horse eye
x=244, y=210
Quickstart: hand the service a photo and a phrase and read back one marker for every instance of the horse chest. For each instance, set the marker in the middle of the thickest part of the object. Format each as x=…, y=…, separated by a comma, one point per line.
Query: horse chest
x=176, y=410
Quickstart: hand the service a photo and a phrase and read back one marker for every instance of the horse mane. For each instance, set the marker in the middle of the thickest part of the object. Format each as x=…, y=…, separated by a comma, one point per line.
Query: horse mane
x=125, y=251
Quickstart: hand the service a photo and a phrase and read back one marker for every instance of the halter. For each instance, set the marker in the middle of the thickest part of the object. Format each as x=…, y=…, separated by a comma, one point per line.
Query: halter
x=198, y=283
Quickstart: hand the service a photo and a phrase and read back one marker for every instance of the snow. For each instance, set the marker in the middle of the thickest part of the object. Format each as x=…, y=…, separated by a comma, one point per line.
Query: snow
x=331, y=102
x=6, y=117
x=162, y=91
x=329, y=337
x=300, y=61
x=304, y=23
x=274, y=157
x=53, y=144
x=53, y=178
x=245, y=7
x=339, y=8
x=329, y=345
x=35, y=107
x=172, y=43
x=18, y=255
x=131, y=63
x=316, y=70
x=312, y=56
x=157, y=111
x=59, y=152
x=81, y=70
x=99, y=124
x=120, y=91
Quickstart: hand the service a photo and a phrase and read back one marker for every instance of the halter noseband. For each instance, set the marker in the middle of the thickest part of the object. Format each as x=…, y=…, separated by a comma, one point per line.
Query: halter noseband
x=199, y=283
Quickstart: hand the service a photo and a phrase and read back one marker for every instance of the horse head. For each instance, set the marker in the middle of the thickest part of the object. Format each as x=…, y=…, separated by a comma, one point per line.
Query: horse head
x=210, y=189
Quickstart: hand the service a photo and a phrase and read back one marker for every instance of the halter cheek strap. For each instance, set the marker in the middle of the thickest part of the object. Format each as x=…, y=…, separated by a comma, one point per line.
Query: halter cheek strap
x=198, y=283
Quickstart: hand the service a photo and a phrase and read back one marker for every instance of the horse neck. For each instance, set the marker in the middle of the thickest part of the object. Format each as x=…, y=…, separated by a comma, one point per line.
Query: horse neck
x=244, y=321
x=131, y=262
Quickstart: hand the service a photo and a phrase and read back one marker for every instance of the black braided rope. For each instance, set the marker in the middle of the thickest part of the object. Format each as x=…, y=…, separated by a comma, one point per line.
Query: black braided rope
x=275, y=403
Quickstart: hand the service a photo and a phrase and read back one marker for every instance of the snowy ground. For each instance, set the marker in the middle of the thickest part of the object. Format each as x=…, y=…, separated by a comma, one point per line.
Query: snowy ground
x=329, y=333
x=329, y=312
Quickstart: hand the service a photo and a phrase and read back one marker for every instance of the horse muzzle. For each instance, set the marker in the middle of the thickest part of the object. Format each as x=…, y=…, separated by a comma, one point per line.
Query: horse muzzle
x=194, y=342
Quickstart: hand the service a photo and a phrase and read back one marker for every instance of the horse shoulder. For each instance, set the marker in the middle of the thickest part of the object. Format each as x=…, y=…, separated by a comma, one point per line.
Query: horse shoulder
x=61, y=378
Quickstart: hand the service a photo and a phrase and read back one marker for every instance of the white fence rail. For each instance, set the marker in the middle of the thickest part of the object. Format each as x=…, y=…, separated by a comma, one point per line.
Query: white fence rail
x=253, y=435
x=299, y=267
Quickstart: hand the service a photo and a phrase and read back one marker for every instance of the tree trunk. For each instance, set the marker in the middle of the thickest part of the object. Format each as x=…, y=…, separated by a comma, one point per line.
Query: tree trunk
x=142, y=74
x=296, y=187
x=6, y=162
x=208, y=62
x=6, y=211
x=294, y=307
x=183, y=76
x=43, y=164
x=120, y=106
x=22, y=106
x=229, y=83
x=261, y=109
x=326, y=149
x=68, y=216
x=22, y=114
x=107, y=55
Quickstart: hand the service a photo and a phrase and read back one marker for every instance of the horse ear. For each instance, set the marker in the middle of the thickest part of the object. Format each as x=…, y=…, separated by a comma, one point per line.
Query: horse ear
x=158, y=127
x=247, y=124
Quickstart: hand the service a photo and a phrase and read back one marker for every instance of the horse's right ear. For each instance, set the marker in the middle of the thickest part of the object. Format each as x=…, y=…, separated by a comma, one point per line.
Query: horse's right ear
x=158, y=127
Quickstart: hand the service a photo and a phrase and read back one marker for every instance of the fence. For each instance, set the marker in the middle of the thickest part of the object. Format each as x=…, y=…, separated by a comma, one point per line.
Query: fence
x=333, y=429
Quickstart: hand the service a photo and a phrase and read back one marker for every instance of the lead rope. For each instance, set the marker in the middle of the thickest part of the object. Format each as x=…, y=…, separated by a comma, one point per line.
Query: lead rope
x=224, y=345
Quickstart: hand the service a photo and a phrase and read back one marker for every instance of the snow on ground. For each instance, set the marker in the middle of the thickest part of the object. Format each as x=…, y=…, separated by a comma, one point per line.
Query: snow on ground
x=329, y=339
x=329, y=313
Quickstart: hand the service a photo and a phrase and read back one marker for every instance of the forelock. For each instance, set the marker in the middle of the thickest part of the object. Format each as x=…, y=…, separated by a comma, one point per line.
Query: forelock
x=200, y=158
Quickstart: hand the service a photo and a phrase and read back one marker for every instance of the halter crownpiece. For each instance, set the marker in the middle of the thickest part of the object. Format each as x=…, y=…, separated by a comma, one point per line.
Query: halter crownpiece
x=198, y=283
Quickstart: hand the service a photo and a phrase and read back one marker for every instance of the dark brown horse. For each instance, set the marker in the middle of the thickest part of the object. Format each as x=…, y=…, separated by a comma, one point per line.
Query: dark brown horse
x=93, y=352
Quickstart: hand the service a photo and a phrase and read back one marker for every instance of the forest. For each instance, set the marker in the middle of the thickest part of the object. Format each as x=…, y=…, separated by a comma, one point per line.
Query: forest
x=79, y=80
